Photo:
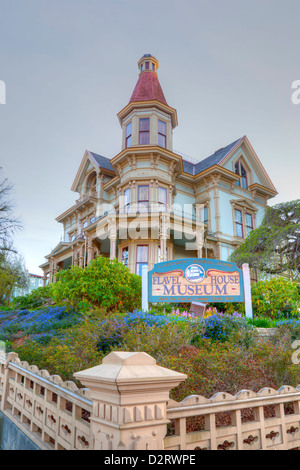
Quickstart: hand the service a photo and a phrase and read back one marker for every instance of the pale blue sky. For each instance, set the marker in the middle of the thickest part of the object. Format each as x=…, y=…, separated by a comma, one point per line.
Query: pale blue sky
x=71, y=65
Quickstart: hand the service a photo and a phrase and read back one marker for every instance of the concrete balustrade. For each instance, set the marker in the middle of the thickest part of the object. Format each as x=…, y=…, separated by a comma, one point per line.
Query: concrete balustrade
x=126, y=405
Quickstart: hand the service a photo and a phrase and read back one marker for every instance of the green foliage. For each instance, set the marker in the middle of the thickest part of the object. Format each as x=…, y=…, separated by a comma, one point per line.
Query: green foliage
x=36, y=298
x=75, y=350
x=158, y=341
x=262, y=322
x=274, y=246
x=12, y=275
x=103, y=283
x=275, y=297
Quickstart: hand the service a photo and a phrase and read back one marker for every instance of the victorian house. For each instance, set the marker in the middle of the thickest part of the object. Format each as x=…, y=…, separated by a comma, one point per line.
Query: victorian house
x=149, y=204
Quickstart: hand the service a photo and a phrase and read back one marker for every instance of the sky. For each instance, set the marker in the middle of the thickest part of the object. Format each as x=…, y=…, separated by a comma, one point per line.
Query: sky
x=70, y=66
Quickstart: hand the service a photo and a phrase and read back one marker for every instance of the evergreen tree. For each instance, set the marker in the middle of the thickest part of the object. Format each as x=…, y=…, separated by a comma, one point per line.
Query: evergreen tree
x=274, y=247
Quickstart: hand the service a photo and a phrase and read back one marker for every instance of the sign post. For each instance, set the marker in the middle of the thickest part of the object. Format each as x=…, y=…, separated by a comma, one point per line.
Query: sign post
x=145, y=305
x=247, y=291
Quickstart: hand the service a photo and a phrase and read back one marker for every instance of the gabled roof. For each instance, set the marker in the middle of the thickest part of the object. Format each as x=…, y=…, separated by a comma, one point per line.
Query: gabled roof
x=148, y=89
x=98, y=161
x=102, y=162
x=214, y=159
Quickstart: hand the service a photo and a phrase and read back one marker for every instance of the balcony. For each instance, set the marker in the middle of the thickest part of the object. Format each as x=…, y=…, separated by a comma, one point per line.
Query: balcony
x=90, y=197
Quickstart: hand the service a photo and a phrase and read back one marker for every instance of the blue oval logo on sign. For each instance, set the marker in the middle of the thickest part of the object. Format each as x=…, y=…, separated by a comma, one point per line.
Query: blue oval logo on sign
x=195, y=273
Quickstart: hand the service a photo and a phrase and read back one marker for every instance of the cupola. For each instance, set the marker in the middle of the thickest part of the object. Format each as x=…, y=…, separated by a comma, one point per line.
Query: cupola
x=147, y=119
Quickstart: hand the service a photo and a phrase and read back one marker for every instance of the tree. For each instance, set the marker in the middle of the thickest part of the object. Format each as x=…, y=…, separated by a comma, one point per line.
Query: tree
x=274, y=247
x=12, y=270
x=12, y=275
x=9, y=224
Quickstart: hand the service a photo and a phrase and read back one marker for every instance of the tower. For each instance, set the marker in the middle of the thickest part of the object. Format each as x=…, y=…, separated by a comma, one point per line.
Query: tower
x=148, y=120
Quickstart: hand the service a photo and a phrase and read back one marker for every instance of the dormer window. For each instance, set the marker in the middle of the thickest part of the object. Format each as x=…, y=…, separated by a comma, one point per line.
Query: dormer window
x=144, y=131
x=128, y=134
x=162, y=133
x=240, y=170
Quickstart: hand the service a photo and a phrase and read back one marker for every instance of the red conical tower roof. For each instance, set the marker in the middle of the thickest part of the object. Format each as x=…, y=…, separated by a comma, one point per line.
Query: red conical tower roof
x=148, y=87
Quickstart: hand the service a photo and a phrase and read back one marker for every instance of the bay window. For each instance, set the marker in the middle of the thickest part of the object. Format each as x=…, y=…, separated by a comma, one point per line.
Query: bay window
x=162, y=134
x=127, y=200
x=144, y=131
x=128, y=135
x=162, y=199
x=143, y=198
x=125, y=256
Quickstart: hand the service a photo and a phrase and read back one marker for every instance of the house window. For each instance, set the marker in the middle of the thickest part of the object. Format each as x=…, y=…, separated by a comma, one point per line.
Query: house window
x=162, y=134
x=125, y=256
x=204, y=214
x=141, y=258
x=92, y=220
x=153, y=67
x=85, y=224
x=144, y=131
x=162, y=199
x=238, y=223
x=128, y=134
x=147, y=65
x=143, y=198
x=240, y=170
x=127, y=200
x=249, y=223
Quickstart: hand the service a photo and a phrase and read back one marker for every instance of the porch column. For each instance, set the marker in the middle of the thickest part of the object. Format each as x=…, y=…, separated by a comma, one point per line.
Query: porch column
x=90, y=251
x=163, y=236
x=113, y=247
x=112, y=234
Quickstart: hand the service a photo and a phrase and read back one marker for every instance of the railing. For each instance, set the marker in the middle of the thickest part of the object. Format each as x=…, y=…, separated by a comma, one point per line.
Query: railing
x=127, y=407
x=265, y=420
x=92, y=193
x=52, y=413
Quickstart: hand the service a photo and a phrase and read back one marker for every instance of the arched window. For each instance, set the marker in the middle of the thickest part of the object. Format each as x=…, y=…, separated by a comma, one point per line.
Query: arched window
x=240, y=170
x=91, y=181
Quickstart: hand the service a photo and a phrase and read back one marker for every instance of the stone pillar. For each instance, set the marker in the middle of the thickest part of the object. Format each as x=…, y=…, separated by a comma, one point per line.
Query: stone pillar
x=113, y=247
x=5, y=391
x=130, y=394
x=90, y=252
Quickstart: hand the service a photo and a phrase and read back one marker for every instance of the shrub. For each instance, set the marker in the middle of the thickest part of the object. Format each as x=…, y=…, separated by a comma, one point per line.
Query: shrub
x=288, y=329
x=46, y=320
x=158, y=341
x=262, y=322
x=34, y=299
x=221, y=327
x=75, y=350
x=276, y=297
x=104, y=282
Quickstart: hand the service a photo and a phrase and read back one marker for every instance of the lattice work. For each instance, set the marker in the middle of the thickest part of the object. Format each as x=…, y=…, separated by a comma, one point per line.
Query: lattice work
x=250, y=428
x=51, y=412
